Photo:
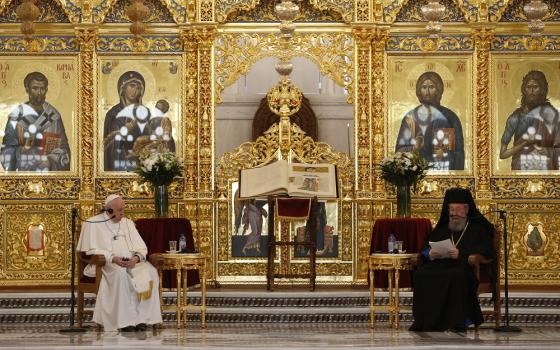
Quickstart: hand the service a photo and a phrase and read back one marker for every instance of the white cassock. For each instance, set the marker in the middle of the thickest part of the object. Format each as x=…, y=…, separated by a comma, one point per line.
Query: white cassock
x=124, y=297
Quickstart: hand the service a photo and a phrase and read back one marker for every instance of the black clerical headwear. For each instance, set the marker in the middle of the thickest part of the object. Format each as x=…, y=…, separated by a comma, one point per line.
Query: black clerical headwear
x=463, y=196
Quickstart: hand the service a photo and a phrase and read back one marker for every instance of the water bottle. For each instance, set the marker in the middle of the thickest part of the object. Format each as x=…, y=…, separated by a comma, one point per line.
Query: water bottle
x=182, y=243
x=391, y=243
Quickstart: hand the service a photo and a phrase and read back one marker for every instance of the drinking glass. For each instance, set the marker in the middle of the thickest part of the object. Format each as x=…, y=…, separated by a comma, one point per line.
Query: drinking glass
x=172, y=246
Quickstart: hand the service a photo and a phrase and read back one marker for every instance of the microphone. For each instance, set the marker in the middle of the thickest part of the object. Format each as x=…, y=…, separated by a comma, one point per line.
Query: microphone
x=96, y=222
x=108, y=210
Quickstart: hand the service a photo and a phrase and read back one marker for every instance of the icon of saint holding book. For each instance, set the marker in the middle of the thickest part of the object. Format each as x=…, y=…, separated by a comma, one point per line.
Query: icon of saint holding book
x=34, y=138
x=432, y=129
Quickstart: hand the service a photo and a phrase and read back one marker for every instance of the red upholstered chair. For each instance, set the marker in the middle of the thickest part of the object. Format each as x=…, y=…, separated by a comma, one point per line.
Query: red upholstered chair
x=87, y=284
x=487, y=271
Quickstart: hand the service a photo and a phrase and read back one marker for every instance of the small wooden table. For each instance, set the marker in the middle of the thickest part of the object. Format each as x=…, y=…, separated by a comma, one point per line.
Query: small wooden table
x=181, y=263
x=393, y=264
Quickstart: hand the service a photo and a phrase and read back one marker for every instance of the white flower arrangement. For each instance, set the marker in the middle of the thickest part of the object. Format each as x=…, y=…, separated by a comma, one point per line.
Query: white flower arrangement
x=159, y=168
x=404, y=168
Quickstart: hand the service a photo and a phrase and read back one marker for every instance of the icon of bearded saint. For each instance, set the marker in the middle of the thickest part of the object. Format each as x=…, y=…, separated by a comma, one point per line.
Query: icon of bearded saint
x=533, y=127
x=431, y=129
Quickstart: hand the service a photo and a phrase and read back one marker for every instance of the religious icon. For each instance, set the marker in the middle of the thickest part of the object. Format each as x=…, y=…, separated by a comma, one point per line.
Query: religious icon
x=535, y=239
x=35, y=240
x=527, y=136
x=250, y=227
x=431, y=129
x=426, y=115
x=534, y=128
x=327, y=239
x=145, y=114
x=35, y=137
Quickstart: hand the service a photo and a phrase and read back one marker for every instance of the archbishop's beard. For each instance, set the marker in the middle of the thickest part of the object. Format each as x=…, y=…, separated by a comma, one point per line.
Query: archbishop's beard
x=457, y=223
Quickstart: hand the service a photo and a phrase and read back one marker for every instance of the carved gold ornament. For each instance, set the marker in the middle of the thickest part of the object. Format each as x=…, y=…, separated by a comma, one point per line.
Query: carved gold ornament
x=27, y=12
x=286, y=11
x=433, y=12
x=284, y=99
x=137, y=12
x=535, y=11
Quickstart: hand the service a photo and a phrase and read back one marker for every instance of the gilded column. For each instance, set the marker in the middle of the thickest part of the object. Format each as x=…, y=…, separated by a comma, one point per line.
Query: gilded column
x=483, y=41
x=86, y=38
x=190, y=151
x=363, y=38
x=378, y=74
x=190, y=126
x=205, y=38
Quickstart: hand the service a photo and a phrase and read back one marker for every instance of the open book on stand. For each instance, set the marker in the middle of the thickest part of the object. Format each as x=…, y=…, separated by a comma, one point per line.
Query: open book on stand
x=292, y=179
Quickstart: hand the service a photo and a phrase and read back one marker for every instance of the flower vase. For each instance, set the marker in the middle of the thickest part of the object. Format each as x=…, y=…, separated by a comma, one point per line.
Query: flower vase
x=161, y=200
x=403, y=201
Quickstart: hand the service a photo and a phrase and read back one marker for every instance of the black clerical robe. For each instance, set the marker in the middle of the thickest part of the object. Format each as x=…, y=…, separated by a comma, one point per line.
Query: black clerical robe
x=445, y=289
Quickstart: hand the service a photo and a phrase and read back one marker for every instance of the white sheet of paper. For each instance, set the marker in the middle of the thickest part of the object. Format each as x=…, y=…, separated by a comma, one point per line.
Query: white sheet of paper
x=442, y=247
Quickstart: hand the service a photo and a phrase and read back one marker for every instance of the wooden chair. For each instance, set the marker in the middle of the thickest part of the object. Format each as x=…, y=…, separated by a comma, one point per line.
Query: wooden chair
x=487, y=271
x=87, y=284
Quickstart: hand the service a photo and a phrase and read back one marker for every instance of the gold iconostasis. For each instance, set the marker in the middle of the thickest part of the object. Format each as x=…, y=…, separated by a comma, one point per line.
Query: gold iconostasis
x=480, y=101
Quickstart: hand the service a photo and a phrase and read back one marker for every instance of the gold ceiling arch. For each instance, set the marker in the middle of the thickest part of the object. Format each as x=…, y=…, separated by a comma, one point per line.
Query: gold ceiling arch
x=225, y=7
x=66, y=6
x=235, y=53
x=468, y=8
x=103, y=7
x=344, y=7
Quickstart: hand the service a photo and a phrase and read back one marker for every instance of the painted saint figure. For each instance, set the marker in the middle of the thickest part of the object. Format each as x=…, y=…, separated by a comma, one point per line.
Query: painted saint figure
x=124, y=123
x=432, y=129
x=253, y=218
x=533, y=127
x=34, y=136
x=130, y=127
x=159, y=134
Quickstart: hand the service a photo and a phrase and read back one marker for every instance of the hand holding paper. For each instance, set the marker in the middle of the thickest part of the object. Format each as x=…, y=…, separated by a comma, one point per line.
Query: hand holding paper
x=442, y=247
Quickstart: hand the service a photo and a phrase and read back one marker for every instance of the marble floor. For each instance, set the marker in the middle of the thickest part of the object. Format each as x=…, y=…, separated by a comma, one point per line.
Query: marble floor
x=276, y=336
x=255, y=319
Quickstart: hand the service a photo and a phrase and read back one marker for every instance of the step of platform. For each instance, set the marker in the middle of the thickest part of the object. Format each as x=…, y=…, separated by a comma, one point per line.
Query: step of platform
x=279, y=306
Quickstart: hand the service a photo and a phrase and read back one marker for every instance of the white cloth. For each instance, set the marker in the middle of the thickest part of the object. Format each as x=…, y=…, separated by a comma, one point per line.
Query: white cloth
x=117, y=304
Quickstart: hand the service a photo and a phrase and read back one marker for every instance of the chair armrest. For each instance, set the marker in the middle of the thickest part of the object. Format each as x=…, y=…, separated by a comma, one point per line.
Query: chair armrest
x=478, y=259
x=475, y=260
x=416, y=260
x=96, y=259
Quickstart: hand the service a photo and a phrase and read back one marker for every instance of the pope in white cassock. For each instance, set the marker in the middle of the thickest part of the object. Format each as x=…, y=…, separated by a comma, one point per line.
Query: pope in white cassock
x=128, y=296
